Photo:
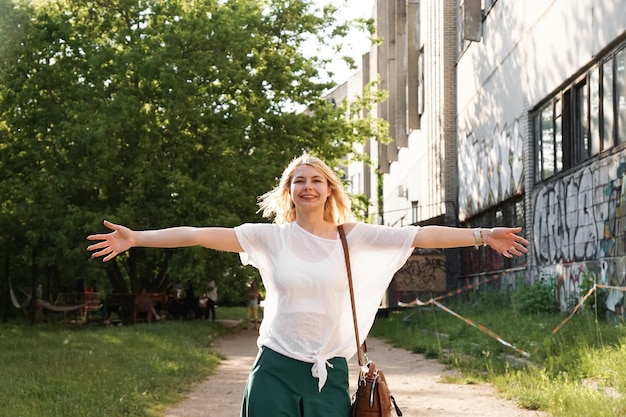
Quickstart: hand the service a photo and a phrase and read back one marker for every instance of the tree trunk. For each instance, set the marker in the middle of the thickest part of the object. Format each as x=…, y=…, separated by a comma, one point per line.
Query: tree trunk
x=5, y=288
x=32, y=307
x=135, y=284
x=160, y=283
x=116, y=279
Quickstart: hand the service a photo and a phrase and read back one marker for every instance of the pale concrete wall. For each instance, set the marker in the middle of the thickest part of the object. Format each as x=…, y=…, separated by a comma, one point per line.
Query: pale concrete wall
x=529, y=51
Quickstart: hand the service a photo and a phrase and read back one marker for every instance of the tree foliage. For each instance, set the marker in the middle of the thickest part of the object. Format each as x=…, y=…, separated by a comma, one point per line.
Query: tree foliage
x=153, y=114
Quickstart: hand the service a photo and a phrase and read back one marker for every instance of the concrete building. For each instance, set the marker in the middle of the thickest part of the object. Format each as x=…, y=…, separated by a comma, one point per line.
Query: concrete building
x=542, y=101
x=506, y=113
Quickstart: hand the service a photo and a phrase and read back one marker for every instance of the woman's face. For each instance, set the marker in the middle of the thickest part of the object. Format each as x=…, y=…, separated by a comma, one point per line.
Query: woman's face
x=309, y=188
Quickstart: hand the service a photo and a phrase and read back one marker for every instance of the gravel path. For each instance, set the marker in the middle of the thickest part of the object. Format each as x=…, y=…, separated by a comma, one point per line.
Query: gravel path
x=413, y=380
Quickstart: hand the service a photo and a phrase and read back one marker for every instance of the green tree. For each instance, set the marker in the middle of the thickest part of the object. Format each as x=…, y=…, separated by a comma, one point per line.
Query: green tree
x=156, y=113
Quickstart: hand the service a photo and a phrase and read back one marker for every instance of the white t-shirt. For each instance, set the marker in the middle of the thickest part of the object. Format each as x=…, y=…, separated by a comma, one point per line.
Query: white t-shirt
x=307, y=314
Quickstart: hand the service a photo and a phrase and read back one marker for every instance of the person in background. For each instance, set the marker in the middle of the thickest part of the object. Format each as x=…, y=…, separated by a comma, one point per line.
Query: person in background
x=145, y=304
x=171, y=294
x=212, y=300
x=173, y=303
x=191, y=303
x=252, y=308
x=307, y=334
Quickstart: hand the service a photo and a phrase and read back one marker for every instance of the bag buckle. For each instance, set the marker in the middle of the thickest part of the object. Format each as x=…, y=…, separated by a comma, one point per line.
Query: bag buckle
x=373, y=390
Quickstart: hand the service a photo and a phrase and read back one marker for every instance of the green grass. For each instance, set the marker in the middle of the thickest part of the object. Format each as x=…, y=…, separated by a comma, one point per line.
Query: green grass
x=56, y=370
x=579, y=371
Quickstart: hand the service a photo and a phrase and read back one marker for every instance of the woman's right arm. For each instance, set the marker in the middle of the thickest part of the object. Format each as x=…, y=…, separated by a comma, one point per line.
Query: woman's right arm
x=122, y=238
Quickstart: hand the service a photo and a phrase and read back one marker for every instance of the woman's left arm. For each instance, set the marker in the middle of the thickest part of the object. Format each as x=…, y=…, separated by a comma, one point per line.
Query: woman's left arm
x=504, y=240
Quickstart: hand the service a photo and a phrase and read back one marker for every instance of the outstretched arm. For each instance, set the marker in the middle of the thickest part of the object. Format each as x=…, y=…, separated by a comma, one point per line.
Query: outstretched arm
x=122, y=238
x=504, y=240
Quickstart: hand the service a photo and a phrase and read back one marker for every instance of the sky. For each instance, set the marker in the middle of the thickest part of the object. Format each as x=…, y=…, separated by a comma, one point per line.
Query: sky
x=357, y=43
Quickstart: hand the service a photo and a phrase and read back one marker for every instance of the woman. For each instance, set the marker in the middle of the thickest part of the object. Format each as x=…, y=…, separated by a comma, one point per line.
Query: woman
x=307, y=332
x=252, y=308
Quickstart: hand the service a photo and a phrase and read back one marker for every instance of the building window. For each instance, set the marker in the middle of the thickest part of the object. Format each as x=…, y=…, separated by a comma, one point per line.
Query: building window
x=580, y=135
x=607, y=104
x=558, y=136
x=420, y=82
x=583, y=119
x=415, y=211
x=547, y=144
x=620, y=93
x=355, y=184
x=594, y=110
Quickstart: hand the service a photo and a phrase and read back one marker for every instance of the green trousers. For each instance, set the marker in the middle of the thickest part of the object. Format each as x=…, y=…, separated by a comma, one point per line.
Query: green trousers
x=279, y=386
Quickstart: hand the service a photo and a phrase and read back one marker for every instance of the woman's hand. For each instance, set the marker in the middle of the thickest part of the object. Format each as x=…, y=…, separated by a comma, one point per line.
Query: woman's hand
x=506, y=241
x=111, y=244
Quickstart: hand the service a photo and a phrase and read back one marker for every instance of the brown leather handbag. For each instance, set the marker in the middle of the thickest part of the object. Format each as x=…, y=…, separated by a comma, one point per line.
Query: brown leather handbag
x=372, y=397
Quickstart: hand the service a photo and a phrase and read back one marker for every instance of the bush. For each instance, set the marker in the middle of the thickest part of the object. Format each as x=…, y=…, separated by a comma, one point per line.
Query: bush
x=596, y=302
x=537, y=298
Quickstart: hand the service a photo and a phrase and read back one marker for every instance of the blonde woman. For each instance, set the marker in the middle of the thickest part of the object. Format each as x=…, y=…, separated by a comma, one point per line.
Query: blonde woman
x=307, y=333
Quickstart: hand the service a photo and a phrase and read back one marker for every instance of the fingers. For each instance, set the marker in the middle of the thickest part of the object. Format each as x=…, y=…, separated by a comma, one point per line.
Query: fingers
x=97, y=237
x=516, y=249
x=110, y=225
x=99, y=249
x=101, y=236
x=519, y=246
x=106, y=251
x=111, y=256
x=98, y=245
x=520, y=240
x=511, y=252
x=103, y=247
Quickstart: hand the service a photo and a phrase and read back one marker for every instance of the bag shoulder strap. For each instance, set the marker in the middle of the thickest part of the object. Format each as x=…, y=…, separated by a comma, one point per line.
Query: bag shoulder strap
x=346, y=254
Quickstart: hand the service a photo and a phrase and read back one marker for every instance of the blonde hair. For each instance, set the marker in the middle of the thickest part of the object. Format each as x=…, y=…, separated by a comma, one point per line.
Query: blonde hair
x=277, y=203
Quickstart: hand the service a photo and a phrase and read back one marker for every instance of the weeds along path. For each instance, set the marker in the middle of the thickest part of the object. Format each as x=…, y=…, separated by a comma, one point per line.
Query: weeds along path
x=414, y=381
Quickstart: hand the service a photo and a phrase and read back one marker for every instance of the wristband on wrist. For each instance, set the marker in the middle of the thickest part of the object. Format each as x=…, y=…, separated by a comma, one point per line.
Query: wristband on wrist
x=478, y=237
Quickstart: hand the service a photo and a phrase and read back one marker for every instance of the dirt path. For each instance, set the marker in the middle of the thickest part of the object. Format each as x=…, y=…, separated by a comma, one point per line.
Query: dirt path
x=413, y=380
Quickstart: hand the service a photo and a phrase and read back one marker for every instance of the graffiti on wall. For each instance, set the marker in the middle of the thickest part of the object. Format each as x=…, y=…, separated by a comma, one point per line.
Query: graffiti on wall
x=579, y=227
x=422, y=273
x=493, y=168
x=564, y=228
